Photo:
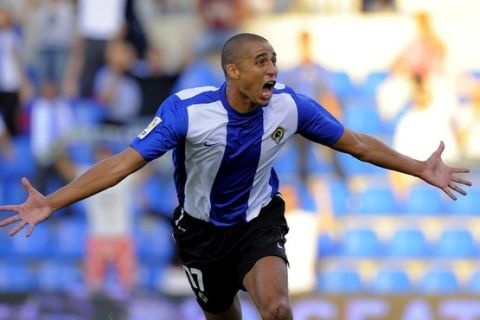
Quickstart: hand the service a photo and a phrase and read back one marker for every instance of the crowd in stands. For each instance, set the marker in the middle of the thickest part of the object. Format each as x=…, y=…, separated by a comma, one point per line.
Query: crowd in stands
x=96, y=78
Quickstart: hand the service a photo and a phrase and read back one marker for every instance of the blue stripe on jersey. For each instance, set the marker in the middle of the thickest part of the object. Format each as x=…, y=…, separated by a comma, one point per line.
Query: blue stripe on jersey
x=233, y=182
x=274, y=182
x=179, y=173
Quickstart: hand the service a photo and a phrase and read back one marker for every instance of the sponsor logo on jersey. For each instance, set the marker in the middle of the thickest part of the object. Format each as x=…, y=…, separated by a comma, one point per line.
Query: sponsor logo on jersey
x=150, y=127
x=278, y=134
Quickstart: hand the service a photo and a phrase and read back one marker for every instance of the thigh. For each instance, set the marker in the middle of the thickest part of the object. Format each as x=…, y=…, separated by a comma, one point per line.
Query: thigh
x=210, y=272
x=266, y=282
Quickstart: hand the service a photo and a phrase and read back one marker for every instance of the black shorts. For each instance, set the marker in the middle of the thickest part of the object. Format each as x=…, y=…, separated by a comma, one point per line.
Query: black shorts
x=216, y=259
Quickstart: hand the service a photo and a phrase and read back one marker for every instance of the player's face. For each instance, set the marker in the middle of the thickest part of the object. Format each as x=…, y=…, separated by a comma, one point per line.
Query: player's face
x=258, y=72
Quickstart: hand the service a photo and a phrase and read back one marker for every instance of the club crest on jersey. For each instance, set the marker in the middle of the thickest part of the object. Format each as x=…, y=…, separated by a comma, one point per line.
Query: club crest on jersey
x=278, y=134
x=150, y=127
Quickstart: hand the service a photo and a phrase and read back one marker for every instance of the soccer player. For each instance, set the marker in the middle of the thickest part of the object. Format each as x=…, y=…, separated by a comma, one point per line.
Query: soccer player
x=229, y=225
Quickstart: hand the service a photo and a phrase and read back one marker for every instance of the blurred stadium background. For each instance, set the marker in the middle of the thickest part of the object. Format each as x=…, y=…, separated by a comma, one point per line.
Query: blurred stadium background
x=383, y=253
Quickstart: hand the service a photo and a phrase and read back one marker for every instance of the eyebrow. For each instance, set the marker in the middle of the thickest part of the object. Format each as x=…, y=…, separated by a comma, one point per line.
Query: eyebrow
x=261, y=55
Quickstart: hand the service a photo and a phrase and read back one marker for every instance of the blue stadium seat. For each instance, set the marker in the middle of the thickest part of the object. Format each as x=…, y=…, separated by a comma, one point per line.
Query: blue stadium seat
x=455, y=243
x=154, y=242
x=354, y=167
x=287, y=162
x=408, y=243
x=468, y=205
x=473, y=285
x=317, y=160
x=391, y=281
x=69, y=239
x=340, y=195
x=16, y=277
x=425, y=200
x=373, y=80
x=81, y=153
x=60, y=277
x=375, y=200
x=341, y=280
x=341, y=84
x=439, y=281
x=360, y=243
x=22, y=163
x=365, y=120
x=38, y=245
x=88, y=113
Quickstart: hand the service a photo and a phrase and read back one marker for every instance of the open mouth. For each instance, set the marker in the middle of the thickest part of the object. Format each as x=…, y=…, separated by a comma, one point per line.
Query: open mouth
x=267, y=89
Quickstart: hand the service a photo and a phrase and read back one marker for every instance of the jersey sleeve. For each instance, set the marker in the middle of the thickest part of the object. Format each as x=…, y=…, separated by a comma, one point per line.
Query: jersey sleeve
x=167, y=130
x=315, y=122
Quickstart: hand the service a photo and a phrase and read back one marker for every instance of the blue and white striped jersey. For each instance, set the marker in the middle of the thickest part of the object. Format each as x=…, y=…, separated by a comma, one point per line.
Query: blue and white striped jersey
x=223, y=158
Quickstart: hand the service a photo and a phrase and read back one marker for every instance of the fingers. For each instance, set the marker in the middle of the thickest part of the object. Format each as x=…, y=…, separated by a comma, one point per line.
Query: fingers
x=440, y=148
x=9, y=208
x=30, y=229
x=10, y=220
x=18, y=228
x=27, y=185
x=462, y=181
x=455, y=187
x=449, y=193
x=460, y=170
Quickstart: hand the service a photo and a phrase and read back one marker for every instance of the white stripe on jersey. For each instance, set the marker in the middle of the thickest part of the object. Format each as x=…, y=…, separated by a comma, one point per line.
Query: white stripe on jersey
x=205, y=145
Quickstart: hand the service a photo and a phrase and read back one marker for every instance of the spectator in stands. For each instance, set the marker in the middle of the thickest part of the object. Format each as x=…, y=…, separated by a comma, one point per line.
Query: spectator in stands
x=425, y=54
x=221, y=19
x=310, y=78
x=51, y=121
x=6, y=149
x=424, y=110
x=99, y=22
x=467, y=125
x=305, y=228
x=14, y=84
x=54, y=25
x=110, y=227
x=114, y=88
x=155, y=80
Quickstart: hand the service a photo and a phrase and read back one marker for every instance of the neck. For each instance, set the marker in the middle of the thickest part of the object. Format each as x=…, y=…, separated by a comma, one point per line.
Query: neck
x=239, y=101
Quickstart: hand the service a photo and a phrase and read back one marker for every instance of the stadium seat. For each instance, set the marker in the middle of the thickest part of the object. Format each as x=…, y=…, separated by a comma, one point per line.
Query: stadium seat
x=365, y=120
x=375, y=200
x=317, y=160
x=473, y=285
x=69, y=239
x=37, y=246
x=425, y=200
x=154, y=242
x=373, y=80
x=407, y=243
x=360, y=243
x=468, y=205
x=59, y=277
x=391, y=281
x=455, y=243
x=16, y=277
x=339, y=195
x=341, y=84
x=22, y=163
x=87, y=113
x=439, y=281
x=354, y=167
x=339, y=281
x=286, y=164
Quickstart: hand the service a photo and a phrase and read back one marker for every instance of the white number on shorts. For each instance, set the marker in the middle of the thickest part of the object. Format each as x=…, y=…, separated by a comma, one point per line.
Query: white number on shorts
x=195, y=278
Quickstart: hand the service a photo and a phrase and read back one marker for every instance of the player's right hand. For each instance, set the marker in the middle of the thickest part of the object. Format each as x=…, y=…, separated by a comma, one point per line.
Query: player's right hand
x=33, y=211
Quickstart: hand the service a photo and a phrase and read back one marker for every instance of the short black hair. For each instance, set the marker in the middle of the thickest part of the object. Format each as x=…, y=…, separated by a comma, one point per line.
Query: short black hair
x=233, y=45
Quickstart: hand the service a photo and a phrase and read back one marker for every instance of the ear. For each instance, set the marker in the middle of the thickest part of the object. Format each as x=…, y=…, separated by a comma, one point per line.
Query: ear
x=232, y=71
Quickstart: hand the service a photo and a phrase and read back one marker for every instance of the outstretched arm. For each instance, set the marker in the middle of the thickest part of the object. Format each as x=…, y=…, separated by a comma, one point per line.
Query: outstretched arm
x=99, y=177
x=433, y=170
